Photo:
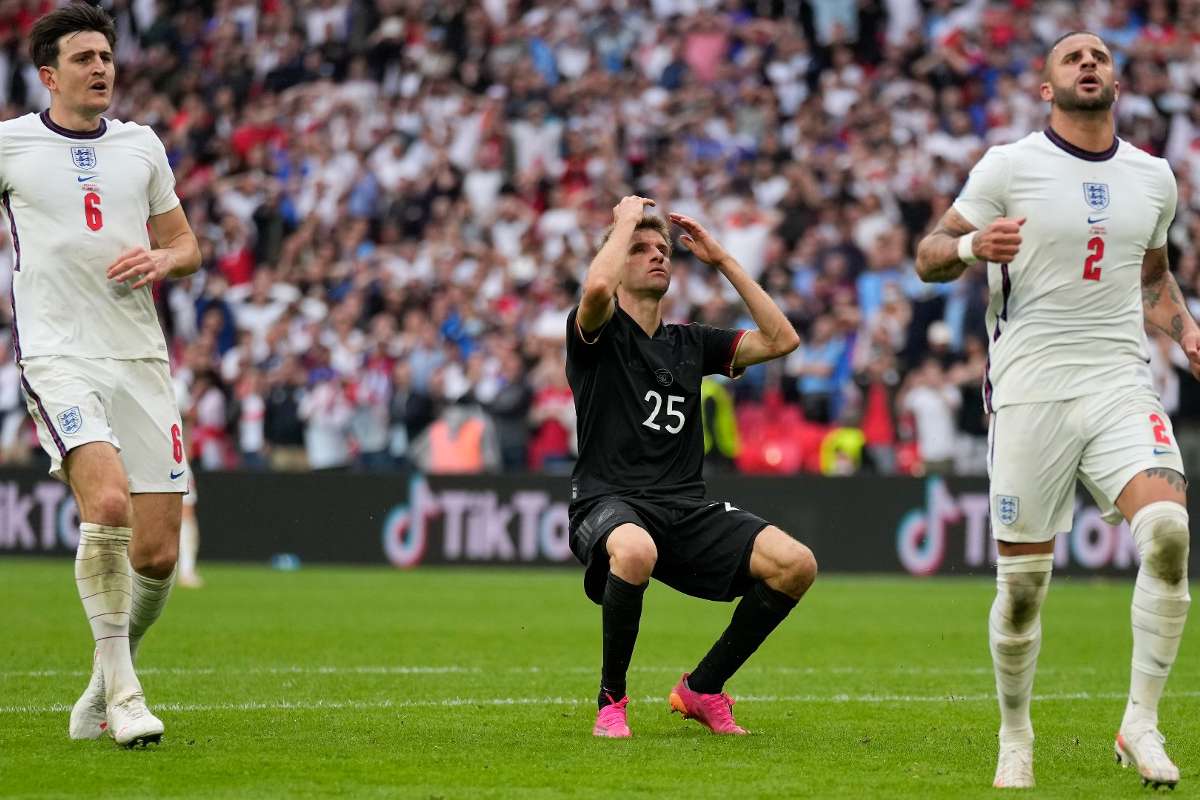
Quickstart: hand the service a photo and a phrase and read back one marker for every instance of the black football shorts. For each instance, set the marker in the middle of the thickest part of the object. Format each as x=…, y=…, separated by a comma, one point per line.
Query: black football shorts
x=703, y=545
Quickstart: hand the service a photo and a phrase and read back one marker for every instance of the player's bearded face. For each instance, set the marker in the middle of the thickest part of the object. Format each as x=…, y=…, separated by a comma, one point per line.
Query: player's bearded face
x=85, y=71
x=1082, y=76
x=1085, y=94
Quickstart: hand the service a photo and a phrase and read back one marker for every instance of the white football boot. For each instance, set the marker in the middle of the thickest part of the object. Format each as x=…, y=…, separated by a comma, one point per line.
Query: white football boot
x=1142, y=747
x=88, y=716
x=131, y=723
x=1014, y=768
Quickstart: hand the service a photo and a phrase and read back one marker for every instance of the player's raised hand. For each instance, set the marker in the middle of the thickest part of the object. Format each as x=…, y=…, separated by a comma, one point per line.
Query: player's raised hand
x=999, y=242
x=141, y=266
x=1190, y=342
x=702, y=244
x=631, y=208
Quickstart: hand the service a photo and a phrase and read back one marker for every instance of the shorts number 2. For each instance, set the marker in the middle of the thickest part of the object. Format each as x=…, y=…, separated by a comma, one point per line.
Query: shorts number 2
x=1160, y=429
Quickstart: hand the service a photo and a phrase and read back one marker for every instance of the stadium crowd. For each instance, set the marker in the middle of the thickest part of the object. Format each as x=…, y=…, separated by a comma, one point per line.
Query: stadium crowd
x=396, y=201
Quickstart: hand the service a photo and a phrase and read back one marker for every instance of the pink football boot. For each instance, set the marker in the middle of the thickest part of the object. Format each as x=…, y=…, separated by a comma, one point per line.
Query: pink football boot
x=610, y=721
x=713, y=711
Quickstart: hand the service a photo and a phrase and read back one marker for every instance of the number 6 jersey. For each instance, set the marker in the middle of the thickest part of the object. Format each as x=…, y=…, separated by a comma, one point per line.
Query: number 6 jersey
x=637, y=399
x=75, y=202
x=1065, y=317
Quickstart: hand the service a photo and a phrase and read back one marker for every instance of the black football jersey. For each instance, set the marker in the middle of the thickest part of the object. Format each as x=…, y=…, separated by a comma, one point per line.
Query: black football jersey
x=637, y=401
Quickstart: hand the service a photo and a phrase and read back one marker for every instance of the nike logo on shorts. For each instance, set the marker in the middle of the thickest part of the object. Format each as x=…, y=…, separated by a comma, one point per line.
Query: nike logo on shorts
x=1158, y=451
x=1094, y=220
x=177, y=475
x=87, y=178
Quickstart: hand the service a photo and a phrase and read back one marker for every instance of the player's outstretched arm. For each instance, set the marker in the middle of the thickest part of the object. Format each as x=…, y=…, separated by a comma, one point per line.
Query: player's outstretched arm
x=1164, y=307
x=956, y=244
x=604, y=274
x=177, y=254
x=775, y=335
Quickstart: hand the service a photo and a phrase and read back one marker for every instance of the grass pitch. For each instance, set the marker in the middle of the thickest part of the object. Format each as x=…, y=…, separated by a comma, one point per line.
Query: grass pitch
x=364, y=682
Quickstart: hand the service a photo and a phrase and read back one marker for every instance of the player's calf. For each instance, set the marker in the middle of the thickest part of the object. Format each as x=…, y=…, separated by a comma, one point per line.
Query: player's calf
x=1158, y=614
x=1015, y=638
x=1160, y=605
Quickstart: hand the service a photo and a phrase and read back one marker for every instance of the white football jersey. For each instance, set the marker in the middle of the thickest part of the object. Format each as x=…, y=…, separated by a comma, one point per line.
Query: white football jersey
x=74, y=203
x=1065, y=317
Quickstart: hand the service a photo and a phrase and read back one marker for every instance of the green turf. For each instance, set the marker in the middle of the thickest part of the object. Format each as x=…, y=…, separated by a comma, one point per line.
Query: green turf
x=295, y=685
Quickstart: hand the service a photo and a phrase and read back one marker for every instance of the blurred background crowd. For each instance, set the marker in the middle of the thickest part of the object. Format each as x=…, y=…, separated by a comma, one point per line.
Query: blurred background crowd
x=397, y=200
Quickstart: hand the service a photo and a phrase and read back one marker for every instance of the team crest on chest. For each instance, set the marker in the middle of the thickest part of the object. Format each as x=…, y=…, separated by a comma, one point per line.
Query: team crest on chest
x=1008, y=508
x=70, y=421
x=1096, y=195
x=664, y=377
x=84, y=157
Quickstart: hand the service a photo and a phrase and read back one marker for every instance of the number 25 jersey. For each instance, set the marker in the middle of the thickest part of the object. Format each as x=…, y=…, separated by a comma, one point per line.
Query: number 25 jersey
x=75, y=202
x=1065, y=317
x=637, y=403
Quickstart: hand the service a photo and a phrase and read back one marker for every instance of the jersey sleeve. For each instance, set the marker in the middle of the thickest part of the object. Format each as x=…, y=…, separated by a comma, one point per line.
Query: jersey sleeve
x=1167, y=214
x=984, y=197
x=162, y=179
x=720, y=346
x=581, y=350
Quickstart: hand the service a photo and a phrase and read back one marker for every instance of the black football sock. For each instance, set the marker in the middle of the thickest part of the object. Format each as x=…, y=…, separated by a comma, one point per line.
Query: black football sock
x=759, y=613
x=622, y=614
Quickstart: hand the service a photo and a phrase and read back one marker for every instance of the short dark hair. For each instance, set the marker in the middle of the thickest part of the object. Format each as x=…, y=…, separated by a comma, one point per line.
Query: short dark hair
x=1060, y=40
x=648, y=222
x=73, y=18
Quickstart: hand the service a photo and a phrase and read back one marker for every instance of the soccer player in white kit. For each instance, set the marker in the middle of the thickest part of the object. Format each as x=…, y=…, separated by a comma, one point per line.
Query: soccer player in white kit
x=1072, y=223
x=78, y=191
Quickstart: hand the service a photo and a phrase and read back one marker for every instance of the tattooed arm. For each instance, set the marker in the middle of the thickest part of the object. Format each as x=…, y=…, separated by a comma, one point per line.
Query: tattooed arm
x=937, y=254
x=1164, y=308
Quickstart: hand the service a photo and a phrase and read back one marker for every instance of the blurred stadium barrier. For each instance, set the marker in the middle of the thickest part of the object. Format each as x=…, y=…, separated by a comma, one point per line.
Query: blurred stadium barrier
x=930, y=526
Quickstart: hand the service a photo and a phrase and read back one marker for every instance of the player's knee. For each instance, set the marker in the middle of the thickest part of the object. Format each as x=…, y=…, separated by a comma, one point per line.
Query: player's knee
x=632, y=557
x=109, y=507
x=156, y=562
x=1161, y=533
x=1021, y=586
x=800, y=569
x=1023, y=604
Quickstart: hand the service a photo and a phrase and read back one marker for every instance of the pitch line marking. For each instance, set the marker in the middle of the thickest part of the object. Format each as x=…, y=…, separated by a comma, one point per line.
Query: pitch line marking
x=456, y=702
x=456, y=669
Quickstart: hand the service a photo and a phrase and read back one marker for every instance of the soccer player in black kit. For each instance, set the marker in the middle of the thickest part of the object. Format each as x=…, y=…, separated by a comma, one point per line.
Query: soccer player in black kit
x=637, y=497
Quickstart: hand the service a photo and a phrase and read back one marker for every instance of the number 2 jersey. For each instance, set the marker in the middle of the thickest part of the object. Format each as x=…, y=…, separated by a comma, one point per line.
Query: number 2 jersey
x=75, y=202
x=637, y=403
x=1065, y=317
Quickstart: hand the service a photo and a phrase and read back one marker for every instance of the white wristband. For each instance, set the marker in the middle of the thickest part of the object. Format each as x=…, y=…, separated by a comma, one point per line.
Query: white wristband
x=966, y=251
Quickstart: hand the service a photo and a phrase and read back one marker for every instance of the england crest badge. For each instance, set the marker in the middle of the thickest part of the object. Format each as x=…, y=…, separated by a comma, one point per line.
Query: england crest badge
x=84, y=157
x=1008, y=508
x=70, y=421
x=1096, y=195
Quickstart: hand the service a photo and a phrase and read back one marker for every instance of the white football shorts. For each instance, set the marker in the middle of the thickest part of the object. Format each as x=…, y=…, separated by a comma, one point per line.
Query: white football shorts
x=1036, y=451
x=127, y=403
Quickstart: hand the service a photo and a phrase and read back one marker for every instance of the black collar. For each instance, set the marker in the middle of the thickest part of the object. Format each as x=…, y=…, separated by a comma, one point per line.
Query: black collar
x=70, y=134
x=1079, y=152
